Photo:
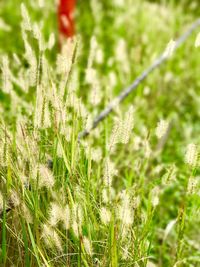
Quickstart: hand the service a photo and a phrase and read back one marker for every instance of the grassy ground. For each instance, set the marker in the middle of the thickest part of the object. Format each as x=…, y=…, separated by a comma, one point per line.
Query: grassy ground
x=128, y=194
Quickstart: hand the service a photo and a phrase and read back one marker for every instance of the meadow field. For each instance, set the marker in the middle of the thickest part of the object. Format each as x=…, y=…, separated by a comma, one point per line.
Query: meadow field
x=128, y=193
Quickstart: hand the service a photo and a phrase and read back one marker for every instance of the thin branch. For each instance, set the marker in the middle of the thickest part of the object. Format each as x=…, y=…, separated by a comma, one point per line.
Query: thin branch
x=124, y=93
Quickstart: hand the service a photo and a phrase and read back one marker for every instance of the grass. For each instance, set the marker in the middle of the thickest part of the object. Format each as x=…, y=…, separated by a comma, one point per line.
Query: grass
x=128, y=194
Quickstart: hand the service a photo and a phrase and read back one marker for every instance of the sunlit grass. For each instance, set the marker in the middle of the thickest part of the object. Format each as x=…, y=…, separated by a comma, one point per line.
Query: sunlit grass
x=126, y=195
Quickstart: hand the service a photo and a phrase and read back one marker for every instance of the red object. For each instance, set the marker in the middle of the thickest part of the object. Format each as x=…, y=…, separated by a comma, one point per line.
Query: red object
x=65, y=17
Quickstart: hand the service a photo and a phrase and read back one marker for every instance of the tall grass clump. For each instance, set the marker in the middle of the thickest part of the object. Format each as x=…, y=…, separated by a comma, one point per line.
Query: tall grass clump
x=126, y=195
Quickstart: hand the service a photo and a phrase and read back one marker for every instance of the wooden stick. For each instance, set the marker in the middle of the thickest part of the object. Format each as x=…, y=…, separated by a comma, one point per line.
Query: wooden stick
x=124, y=93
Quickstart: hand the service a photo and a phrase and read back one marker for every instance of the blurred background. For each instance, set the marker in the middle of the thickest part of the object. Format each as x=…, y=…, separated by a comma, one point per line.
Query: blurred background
x=130, y=35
